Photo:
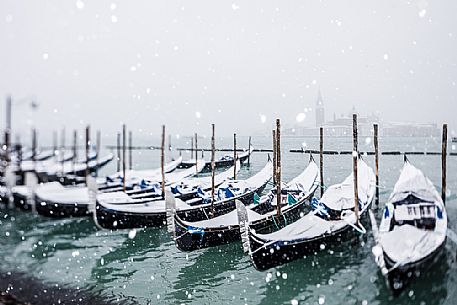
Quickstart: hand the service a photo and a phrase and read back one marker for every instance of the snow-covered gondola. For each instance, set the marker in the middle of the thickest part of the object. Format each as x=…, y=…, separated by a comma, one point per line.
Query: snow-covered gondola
x=192, y=231
x=120, y=211
x=55, y=200
x=187, y=188
x=413, y=228
x=224, y=161
x=134, y=177
x=114, y=182
x=331, y=221
x=40, y=156
x=41, y=165
x=54, y=172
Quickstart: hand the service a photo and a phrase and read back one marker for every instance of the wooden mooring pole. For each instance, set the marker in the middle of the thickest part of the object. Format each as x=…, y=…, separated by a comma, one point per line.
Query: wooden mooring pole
x=162, y=161
x=18, y=148
x=75, y=151
x=34, y=145
x=87, y=151
x=321, y=158
x=443, y=163
x=54, y=144
x=355, y=156
x=118, y=148
x=98, y=149
x=130, y=150
x=376, y=158
x=62, y=150
x=234, y=156
x=249, y=151
x=278, y=167
x=9, y=103
x=274, y=157
x=213, y=166
x=196, y=152
x=124, y=165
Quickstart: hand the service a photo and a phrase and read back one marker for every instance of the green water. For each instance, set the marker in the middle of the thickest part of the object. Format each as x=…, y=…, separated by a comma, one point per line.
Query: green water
x=149, y=269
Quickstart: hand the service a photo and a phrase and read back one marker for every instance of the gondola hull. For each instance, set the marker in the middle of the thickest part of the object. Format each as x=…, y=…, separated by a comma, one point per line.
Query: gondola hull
x=115, y=219
x=21, y=202
x=61, y=210
x=189, y=238
x=399, y=278
x=413, y=230
x=47, y=177
x=217, y=163
x=266, y=256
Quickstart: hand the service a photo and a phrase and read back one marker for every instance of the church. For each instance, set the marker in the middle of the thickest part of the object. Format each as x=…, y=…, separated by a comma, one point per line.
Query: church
x=342, y=125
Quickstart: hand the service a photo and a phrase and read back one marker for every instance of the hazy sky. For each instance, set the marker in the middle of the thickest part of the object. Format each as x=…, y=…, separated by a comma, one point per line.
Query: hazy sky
x=238, y=64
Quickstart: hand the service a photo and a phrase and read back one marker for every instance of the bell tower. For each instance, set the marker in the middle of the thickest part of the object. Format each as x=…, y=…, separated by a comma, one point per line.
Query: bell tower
x=320, y=113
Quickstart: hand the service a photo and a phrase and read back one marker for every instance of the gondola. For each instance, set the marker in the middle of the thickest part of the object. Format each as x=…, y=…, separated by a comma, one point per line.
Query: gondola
x=58, y=170
x=55, y=200
x=114, y=182
x=332, y=220
x=224, y=161
x=120, y=211
x=140, y=174
x=192, y=232
x=184, y=184
x=42, y=165
x=22, y=194
x=40, y=156
x=412, y=230
x=188, y=188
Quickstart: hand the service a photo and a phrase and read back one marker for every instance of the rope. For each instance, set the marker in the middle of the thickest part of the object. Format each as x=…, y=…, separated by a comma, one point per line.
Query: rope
x=359, y=228
x=204, y=211
x=277, y=227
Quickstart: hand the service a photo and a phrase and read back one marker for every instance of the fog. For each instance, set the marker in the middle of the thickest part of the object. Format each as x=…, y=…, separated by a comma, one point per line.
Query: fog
x=238, y=64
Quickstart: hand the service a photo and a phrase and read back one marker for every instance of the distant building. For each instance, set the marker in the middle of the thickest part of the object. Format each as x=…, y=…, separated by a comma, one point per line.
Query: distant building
x=410, y=130
x=342, y=125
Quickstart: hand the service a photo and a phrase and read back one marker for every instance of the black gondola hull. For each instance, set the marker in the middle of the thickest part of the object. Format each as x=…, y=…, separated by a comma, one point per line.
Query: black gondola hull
x=278, y=253
x=218, y=163
x=60, y=210
x=189, y=239
x=399, y=278
x=46, y=177
x=21, y=202
x=115, y=219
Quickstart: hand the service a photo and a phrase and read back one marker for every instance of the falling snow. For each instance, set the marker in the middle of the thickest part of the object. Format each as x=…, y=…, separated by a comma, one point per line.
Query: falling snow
x=79, y=4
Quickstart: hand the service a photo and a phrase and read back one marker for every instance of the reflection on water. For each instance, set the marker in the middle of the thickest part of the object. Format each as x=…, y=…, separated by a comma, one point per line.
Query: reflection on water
x=149, y=269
